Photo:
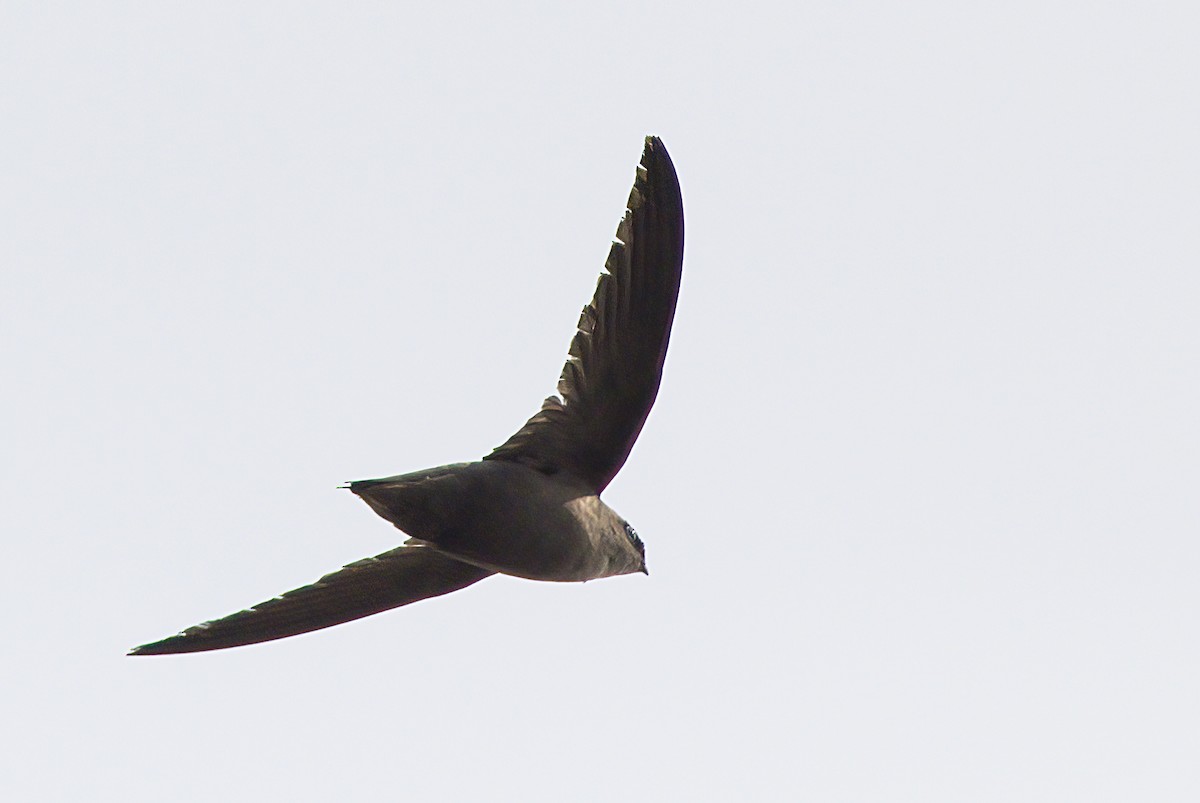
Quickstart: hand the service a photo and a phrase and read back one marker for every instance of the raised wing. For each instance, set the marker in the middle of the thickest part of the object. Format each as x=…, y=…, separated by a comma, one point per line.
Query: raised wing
x=372, y=585
x=615, y=361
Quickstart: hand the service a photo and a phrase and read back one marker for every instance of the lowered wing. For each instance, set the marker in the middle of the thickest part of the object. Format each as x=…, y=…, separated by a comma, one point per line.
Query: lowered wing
x=395, y=578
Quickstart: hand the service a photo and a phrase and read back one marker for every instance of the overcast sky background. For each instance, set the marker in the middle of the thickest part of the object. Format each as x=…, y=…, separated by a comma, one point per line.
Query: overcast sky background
x=919, y=493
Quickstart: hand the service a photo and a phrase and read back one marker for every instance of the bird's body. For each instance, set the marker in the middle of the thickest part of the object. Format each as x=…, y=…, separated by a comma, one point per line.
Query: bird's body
x=532, y=507
x=540, y=527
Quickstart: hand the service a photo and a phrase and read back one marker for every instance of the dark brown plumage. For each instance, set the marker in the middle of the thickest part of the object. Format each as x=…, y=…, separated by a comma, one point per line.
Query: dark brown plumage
x=531, y=508
x=615, y=362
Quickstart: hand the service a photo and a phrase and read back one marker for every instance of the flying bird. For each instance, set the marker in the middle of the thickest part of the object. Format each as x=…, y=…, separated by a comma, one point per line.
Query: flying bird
x=532, y=507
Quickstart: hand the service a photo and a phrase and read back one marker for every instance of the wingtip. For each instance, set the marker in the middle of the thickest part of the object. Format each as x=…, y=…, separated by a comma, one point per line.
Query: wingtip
x=654, y=147
x=185, y=641
x=155, y=648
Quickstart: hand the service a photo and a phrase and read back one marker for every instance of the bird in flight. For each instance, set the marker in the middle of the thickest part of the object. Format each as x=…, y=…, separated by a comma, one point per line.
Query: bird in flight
x=532, y=507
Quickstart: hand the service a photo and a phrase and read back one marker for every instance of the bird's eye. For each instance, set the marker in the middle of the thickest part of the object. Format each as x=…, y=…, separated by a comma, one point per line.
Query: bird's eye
x=633, y=536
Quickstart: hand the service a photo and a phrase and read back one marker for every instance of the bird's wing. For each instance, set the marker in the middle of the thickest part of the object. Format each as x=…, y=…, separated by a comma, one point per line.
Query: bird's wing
x=615, y=361
x=395, y=578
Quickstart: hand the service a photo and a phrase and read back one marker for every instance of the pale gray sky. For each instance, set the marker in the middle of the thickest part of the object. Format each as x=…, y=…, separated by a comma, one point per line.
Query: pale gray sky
x=918, y=495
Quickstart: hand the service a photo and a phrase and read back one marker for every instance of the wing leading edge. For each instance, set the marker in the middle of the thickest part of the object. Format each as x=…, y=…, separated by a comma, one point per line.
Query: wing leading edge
x=615, y=362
